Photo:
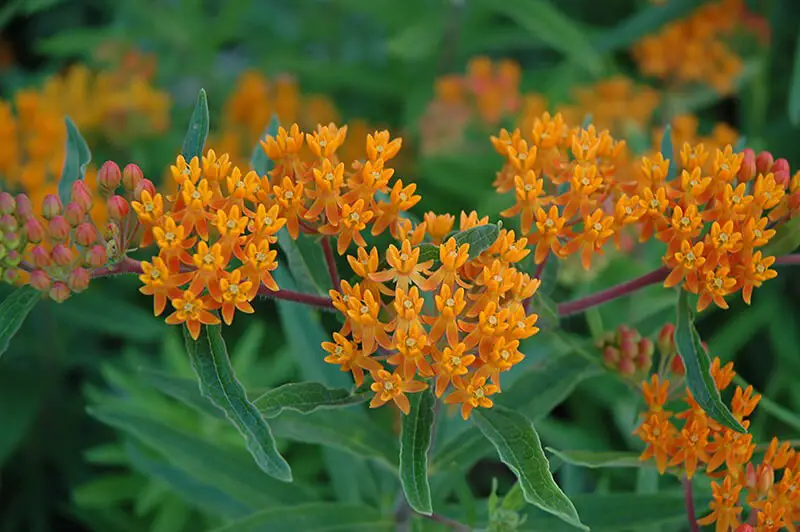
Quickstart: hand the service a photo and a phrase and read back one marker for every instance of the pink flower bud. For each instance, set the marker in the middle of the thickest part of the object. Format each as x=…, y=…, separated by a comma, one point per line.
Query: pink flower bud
x=59, y=292
x=74, y=214
x=131, y=176
x=81, y=194
x=144, y=184
x=51, y=206
x=86, y=234
x=646, y=347
x=118, y=207
x=744, y=527
x=676, y=366
x=13, y=258
x=8, y=223
x=58, y=228
x=611, y=356
x=666, y=339
x=766, y=478
x=643, y=362
x=627, y=366
x=748, y=169
x=24, y=207
x=40, y=257
x=782, y=172
x=764, y=162
x=750, y=477
x=78, y=280
x=10, y=275
x=40, y=280
x=628, y=347
x=111, y=232
x=34, y=230
x=12, y=240
x=95, y=257
x=7, y=203
x=109, y=177
x=62, y=255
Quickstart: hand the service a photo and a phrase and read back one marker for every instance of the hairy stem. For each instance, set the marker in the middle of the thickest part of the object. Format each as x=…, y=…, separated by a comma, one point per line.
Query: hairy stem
x=330, y=260
x=688, y=497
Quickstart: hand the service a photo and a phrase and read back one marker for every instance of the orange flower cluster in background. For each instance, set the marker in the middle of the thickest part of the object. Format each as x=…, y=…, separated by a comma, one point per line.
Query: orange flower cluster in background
x=692, y=441
x=713, y=216
x=462, y=337
x=695, y=49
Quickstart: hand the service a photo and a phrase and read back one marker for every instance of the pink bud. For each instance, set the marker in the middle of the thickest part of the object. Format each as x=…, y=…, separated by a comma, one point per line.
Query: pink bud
x=13, y=258
x=764, y=162
x=86, y=234
x=8, y=223
x=766, y=477
x=24, y=206
x=95, y=257
x=58, y=228
x=628, y=347
x=7, y=203
x=750, y=477
x=59, y=292
x=118, y=207
x=62, y=255
x=643, y=362
x=74, y=214
x=78, y=280
x=11, y=275
x=666, y=339
x=109, y=177
x=12, y=239
x=144, y=184
x=34, y=230
x=626, y=366
x=40, y=280
x=676, y=366
x=782, y=172
x=611, y=356
x=131, y=176
x=646, y=347
x=51, y=206
x=81, y=194
x=748, y=169
x=744, y=527
x=41, y=257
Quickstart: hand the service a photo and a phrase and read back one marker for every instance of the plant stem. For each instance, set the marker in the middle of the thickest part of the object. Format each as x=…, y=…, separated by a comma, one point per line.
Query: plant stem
x=297, y=297
x=603, y=296
x=452, y=523
x=688, y=497
x=788, y=260
x=330, y=260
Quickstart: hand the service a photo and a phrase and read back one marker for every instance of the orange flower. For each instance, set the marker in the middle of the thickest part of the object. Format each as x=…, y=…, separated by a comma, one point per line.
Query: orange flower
x=192, y=311
x=472, y=394
x=392, y=387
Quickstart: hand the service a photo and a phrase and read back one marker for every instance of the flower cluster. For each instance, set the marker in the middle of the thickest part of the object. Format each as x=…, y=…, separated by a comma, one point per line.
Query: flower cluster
x=694, y=49
x=691, y=441
x=627, y=352
x=455, y=315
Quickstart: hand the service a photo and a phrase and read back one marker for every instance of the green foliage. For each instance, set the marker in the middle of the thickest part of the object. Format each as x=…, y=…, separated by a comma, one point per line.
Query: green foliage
x=304, y=397
x=76, y=160
x=197, y=132
x=415, y=441
x=13, y=311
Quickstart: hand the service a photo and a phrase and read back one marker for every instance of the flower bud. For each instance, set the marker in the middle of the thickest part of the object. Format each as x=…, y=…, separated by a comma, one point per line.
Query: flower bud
x=86, y=234
x=74, y=214
x=646, y=347
x=611, y=356
x=111, y=232
x=95, y=257
x=62, y=255
x=676, y=366
x=131, y=176
x=59, y=292
x=81, y=194
x=3, y=250
x=58, y=228
x=744, y=527
x=40, y=280
x=748, y=169
x=13, y=258
x=34, y=230
x=8, y=223
x=109, y=177
x=144, y=184
x=782, y=172
x=78, y=280
x=666, y=339
x=40, y=257
x=10, y=275
x=643, y=362
x=24, y=207
x=766, y=477
x=118, y=207
x=51, y=206
x=12, y=240
x=627, y=366
x=764, y=162
x=7, y=203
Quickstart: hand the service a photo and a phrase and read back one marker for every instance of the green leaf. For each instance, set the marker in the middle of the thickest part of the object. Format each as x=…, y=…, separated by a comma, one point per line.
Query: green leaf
x=549, y=276
x=785, y=240
x=794, y=89
x=107, y=490
x=259, y=160
x=419, y=40
x=183, y=389
x=210, y=361
x=643, y=22
x=13, y=311
x=316, y=517
x=698, y=364
x=547, y=309
x=77, y=157
x=415, y=440
x=480, y=238
x=668, y=150
x=519, y=448
x=196, y=134
x=22, y=392
x=304, y=397
x=306, y=261
x=597, y=459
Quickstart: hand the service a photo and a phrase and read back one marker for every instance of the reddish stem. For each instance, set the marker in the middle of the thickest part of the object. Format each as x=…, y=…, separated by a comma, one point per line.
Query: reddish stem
x=603, y=296
x=788, y=260
x=330, y=260
x=688, y=498
x=297, y=297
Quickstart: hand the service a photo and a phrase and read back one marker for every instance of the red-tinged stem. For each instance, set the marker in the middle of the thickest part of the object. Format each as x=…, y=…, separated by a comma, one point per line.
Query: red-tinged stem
x=452, y=523
x=297, y=297
x=788, y=260
x=128, y=265
x=603, y=296
x=330, y=260
x=688, y=498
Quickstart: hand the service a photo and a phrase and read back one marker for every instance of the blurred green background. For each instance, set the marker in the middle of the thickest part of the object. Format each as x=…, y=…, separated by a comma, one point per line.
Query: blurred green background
x=90, y=438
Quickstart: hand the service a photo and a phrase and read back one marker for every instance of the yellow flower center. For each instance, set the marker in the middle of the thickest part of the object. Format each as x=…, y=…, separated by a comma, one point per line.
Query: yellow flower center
x=497, y=278
x=408, y=304
x=597, y=227
x=404, y=256
x=760, y=268
x=549, y=222
x=376, y=175
x=196, y=195
x=188, y=307
x=690, y=257
x=403, y=196
x=410, y=342
x=379, y=148
x=329, y=176
x=323, y=143
x=654, y=203
x=757, y=233
x=208, y=258
x=717, y=283
x=736, y=199
x=528, y=187
x=723, y=237
x=388, y=386
x=450, y=302
x=504, y=354
x=288, y=194
x=149, y=207
x=338, y=350
x=354, y=217
x=231, y=224
x=685, y=221
x=364, y=309
x=233, y=289
x=586, y=181
x=455, y=361
x=478, y=393
x=169, y=236
x=268, y=221
x=261, y=256
x=492, y=320
x=155, y=274
x=522, y=156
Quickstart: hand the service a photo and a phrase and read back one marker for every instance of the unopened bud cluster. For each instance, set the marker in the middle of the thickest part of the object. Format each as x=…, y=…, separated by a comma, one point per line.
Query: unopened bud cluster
x=627, y=352
x=12, y=241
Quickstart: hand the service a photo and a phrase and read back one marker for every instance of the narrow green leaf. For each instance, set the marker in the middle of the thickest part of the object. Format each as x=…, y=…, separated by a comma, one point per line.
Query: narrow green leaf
x=479, y=238
x=316, y=517
x=518, y=446
x=428, y=252
x=587, y=121
x=643, y=22
x=548, y=276
x=13, y=311
x=306, y=261
x=415, y=440
x=668, y=150
x=77, y=157
x=794, y=88
x=418, y=40
x=196, y=134
x=210, y=361
x=22, y=393
x=546, y=308
x=545, y=22
x=183, y=389
x=698, y=364
x=259, y=160
x=107, y=490
x=598, y=459
x=785, y=240
x=304, y=397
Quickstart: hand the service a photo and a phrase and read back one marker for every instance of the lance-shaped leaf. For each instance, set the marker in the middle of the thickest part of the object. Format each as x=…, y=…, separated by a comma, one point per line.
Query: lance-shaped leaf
x=794, y=90
x=519, y=447
x=210, y=361
x=698, y=367
x=306, y=261
x=415, y=440
x=668, y=150
x=305, y=397
x=313, y=517
x=599, y=459
x=479, y=238
x=77, y=157
x=13, y=311
x=643, y=22
x=183, y=389
x=259, y=160
x=785, y=240
x=196, y=134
